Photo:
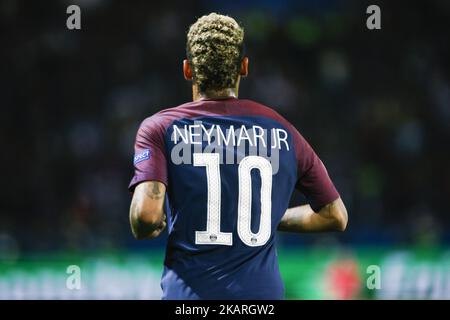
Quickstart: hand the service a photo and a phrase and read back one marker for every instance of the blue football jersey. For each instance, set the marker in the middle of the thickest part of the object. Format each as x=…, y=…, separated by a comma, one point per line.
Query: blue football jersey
x=230, y=167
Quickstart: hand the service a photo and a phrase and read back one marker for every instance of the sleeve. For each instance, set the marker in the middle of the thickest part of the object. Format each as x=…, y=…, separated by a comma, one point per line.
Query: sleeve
x=150, y=161
x=313, y=179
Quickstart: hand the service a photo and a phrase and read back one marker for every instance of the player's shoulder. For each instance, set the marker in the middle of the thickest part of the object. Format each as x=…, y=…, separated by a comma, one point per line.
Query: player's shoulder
x=261, y=109
x=266, y=111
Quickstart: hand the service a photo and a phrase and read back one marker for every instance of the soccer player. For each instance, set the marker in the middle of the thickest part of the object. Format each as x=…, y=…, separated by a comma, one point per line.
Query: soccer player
x=219, y=173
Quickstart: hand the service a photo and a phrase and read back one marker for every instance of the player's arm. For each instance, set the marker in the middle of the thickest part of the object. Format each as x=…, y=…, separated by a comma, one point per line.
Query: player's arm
x=331, y=217
x=326, y=210
x=147, y=217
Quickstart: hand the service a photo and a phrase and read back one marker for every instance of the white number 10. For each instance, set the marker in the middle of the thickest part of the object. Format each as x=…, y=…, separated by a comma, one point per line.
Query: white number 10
x=213, y=235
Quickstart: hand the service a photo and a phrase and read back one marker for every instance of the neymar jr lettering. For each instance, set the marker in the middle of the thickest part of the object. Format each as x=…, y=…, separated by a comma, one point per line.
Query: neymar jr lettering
x=223, y=140
x=230, y=136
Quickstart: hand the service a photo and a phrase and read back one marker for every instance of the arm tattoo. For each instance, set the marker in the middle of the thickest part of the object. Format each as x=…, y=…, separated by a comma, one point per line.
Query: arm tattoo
x=139, y=228
x=153, y=191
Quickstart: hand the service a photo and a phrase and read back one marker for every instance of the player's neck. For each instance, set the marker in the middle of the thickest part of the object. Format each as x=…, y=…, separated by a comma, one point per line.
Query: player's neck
x=214, y=94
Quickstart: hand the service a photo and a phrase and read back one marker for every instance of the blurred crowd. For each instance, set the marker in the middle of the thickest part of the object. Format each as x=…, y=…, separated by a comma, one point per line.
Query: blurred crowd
x=375, y=105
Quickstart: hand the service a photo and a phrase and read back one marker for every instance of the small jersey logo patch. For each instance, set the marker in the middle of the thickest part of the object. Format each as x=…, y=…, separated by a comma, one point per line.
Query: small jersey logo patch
x=143, y=155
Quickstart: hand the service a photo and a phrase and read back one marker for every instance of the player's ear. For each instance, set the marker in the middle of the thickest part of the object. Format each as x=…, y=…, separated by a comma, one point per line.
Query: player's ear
x=244, y=67
x=187, y=71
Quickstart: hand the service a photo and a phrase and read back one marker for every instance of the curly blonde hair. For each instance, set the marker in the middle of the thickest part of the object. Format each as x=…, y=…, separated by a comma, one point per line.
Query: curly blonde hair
x=215, y=45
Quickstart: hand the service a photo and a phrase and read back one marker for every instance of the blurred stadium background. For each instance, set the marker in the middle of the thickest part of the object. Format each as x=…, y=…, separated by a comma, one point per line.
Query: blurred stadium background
x=374, y=104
